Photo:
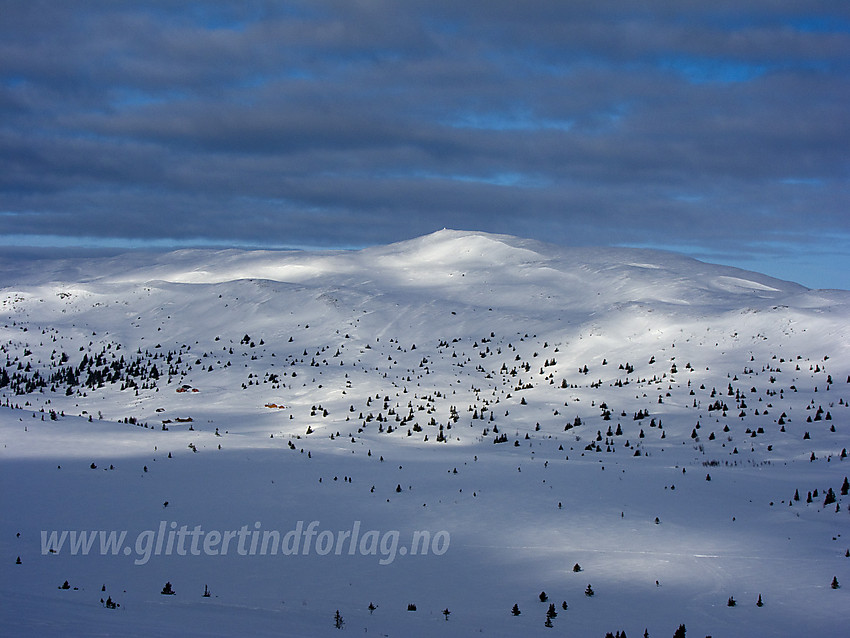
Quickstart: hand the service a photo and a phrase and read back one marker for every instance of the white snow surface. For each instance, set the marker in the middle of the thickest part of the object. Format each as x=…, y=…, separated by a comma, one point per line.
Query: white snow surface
x=451, y=340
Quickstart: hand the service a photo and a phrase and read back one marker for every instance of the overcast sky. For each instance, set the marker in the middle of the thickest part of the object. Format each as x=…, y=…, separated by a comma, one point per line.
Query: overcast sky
x=719, y=129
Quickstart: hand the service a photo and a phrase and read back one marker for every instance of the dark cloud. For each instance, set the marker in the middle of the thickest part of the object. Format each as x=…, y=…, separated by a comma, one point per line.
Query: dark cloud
x=715, y=128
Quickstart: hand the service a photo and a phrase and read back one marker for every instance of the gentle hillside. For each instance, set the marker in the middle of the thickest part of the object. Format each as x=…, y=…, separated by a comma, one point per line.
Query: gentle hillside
x=521, y=407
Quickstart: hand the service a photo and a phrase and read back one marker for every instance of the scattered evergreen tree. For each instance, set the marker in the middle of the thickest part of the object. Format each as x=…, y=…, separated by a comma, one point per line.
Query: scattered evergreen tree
x=543, y=597
x=845, y=487
x=830, y=497
x=834, y=584
x=372, y=607
x=167, y=590
x=551, y=611
x=515, y=610
x=680, y=632
x=18, y=561
x=759, y=602
x=338, y=620
x=731, y=602
x=446, y=613
x=589, y=591
x=206, y=593
x=548, y=622
x=576, y=568
x=411, y=607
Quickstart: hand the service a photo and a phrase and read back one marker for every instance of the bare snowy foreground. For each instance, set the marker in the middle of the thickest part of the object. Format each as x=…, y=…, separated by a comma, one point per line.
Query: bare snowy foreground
x=289, y=429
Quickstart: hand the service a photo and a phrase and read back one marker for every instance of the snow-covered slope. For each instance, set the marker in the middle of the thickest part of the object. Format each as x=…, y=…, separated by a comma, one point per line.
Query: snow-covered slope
x=527, y=406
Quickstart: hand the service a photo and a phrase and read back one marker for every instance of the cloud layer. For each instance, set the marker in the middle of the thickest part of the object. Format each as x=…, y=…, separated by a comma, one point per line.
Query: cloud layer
x=717, y=129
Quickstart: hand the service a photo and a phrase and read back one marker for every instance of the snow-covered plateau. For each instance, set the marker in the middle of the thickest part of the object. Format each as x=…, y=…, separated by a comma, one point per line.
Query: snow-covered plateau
x=322, y=441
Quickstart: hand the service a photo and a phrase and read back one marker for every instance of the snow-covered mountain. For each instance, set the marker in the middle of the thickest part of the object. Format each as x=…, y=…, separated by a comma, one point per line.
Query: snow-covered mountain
x=526, y=407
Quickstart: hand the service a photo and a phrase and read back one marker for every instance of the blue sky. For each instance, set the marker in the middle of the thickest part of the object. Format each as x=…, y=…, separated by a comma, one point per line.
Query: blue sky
x=720, y=130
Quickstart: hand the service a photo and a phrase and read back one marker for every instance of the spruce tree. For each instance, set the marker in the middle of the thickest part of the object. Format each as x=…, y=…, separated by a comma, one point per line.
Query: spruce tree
x=830, y=497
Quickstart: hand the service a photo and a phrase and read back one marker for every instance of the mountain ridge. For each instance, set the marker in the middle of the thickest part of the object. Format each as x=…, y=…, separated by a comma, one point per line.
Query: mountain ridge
x=437, y=255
